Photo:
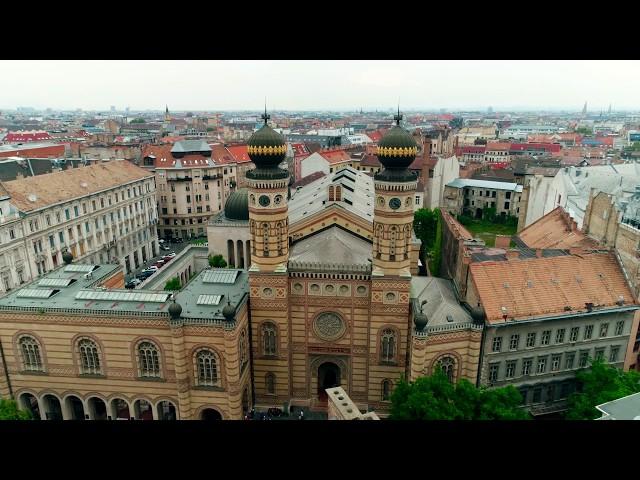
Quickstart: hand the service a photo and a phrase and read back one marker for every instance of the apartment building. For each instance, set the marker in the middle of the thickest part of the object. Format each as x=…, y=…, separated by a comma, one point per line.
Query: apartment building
x=99, y=213
x=546, y=317
x=191, y=185
x=469, y=197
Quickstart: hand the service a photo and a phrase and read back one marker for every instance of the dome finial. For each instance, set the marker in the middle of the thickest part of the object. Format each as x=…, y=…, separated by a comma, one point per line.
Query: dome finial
x=265, y=116
x=398, y=117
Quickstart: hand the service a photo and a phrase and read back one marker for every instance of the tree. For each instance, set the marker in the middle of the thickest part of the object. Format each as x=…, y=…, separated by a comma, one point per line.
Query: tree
x=138, y=120
x=9, y=411
x=436, y=398
x=600, y=384
x=173, y=284
x=216, y=261
x=425, y=224
x=428, y=228
x=456, y=122
x=584, y=131
x=480, y=141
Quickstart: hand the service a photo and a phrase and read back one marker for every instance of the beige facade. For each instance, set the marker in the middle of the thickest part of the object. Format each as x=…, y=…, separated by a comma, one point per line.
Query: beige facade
x=187, y=197
x=100, y=213
x=119, y=384
x=603, y=221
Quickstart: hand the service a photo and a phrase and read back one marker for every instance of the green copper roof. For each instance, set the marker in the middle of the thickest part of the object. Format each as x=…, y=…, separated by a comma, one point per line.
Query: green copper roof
x=237, y=206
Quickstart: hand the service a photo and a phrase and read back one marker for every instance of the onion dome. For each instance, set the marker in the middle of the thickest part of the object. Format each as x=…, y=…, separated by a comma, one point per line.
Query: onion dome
x=228, y=312
x=266, y=147
x=396, y=151
x=175, y=309
x=67, y=257
x=237, y=205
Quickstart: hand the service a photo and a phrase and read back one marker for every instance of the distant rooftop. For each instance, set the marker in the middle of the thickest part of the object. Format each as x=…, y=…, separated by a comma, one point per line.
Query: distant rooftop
x=470, y=182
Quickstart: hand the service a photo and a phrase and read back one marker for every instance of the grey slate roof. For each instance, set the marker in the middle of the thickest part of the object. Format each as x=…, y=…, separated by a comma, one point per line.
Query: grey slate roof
x=441, y=301
x=190, y=146
x=625, y=408
x=82, y=295
x=333, y=249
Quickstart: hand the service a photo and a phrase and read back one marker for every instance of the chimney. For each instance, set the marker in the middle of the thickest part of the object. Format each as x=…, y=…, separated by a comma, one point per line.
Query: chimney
x=539, y=252
x=512, y=254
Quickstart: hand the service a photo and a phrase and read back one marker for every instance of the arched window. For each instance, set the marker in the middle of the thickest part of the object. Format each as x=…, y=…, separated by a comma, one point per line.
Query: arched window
x=242, y=349
x=31, y=354
x=269, y=339
x=207, y=364
x=252, y=199
x=386, y=390
x=392, y=242
x=270, y=383
x=148, y=360
x=388, y=341
x=338, y=193
x=265, y=239
x=280, y=235
x=331, y=195
x=252, y=227
x=407, y=239
x=447, y=364
x=377, y=238
x=89, y=357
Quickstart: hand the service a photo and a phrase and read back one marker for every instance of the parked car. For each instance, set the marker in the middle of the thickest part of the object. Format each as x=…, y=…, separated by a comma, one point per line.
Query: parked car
x=161, y=241
x=171, y=255
x=129, y=285
x=135, y=281
x=177, y=240
x=167, y=259
x=164, y=247
x=152, y=268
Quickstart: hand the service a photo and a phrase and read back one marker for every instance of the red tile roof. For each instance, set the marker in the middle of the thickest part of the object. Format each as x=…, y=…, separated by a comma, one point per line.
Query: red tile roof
x=555, y=230
x=171, y=139
x=474, y=149
x=498, y=146
x=375, y=136
x=21, y=136
x=545, y=286
x=220, y=155
x=335, y=156
x=299, y=149
x=48, y=151
x=162, y=154
x=370, y=160
x=239, y=153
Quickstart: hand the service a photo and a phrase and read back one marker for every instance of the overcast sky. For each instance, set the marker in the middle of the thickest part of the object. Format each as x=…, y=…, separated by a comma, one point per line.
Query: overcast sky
x=319, y=85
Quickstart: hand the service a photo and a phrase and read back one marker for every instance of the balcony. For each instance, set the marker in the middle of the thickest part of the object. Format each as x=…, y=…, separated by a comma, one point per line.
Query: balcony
x=179, y=179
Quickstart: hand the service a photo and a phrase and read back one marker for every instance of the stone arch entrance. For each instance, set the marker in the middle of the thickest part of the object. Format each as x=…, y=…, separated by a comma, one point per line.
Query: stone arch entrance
x=328, y=377
x=209, y=414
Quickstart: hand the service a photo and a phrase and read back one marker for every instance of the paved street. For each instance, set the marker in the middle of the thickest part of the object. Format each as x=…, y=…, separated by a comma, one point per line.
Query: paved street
x=175, y=247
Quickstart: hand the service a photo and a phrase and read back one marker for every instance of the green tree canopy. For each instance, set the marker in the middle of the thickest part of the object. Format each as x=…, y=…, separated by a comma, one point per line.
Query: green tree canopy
x=584, y=131
x=456, y=122
x=435, y=398
x=137, y=120
x=425, y=224
x=600, y=384
x=173, y=284
x=9, y=411
x=217, y=261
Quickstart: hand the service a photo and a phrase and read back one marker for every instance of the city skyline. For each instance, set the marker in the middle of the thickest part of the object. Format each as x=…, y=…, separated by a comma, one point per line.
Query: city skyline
x=335, y=85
